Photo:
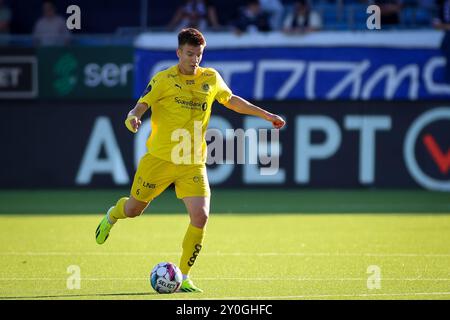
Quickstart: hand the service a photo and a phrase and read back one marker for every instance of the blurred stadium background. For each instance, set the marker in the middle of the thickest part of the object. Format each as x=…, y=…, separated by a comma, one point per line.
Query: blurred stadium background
x=368, y=110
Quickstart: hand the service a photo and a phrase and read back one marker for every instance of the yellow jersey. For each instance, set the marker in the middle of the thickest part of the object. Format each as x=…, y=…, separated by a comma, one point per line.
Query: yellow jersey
x=181, y=108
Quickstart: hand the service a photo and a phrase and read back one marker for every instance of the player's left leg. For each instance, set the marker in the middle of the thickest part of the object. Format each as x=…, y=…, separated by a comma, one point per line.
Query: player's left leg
x=192, y=187
x=198, y=208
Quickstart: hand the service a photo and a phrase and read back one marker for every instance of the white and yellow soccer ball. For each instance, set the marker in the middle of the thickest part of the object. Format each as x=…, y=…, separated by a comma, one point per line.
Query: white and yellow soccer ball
x=166, y=277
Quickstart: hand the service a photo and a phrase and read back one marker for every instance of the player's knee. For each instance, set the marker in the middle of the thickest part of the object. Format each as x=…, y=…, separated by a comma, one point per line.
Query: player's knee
x=203, y=221
x=133, y=211
x=200, y=217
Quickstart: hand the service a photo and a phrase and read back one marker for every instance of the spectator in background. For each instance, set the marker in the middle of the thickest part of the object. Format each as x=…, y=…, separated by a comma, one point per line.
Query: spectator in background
x=51, y=29
x=275, y=10
x=5, y=18
x=252, y=18
x=390, y=11
x=302, y=19
x=426, y=4
x=198, y=14
x=442, y=22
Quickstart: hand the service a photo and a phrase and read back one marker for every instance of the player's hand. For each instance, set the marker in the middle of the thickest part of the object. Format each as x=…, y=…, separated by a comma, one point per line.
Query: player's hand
x=277, y=121
x=132, y=123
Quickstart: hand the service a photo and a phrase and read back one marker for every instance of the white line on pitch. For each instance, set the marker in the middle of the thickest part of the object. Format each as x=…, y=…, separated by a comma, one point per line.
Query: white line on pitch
x=362, y=295
x=231, y=278
x=300, y=254
x=313, y=296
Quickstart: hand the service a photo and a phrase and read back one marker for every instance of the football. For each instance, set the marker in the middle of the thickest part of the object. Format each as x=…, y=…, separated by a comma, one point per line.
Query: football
x=166, y=277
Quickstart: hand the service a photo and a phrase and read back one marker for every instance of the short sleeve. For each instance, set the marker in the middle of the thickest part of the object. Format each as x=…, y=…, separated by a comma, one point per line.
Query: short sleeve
x=150, y=95
x=223, y=93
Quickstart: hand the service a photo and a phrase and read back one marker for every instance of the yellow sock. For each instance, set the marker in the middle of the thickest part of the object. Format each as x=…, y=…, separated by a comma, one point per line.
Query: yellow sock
x=192, y=244
x=118, y=211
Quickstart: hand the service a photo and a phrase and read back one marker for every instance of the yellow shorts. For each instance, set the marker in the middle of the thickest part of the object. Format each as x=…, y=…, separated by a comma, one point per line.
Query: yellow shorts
x=154, y=175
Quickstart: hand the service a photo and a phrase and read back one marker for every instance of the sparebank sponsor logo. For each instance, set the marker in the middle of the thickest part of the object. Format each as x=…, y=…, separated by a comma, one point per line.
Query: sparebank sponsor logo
x=66, y=72
x=186, y=103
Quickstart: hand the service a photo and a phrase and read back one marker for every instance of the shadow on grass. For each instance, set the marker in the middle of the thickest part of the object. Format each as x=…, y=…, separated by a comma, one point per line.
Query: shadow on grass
x=82, y=295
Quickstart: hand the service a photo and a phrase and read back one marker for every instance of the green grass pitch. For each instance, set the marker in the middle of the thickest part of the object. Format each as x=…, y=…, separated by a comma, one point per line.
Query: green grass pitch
x=274, y=255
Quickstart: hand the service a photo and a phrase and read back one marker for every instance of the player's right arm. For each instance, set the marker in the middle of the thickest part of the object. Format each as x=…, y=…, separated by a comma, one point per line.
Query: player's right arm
x=133, y=120
x=148, y=98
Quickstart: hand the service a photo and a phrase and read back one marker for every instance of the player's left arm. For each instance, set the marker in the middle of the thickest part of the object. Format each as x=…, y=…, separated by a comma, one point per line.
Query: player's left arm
x=241, y=105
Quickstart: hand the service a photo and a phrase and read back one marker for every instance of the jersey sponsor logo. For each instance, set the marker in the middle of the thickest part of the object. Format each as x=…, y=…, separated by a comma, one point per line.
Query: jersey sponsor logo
x=197, y=179
x=190, y=82
x=146, y=184
x=149, y=185
x=205, y=87
x=189, y=104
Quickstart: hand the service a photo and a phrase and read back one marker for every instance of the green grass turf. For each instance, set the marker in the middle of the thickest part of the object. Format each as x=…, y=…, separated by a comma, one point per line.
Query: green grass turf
x=234, y=201
x=271, y=256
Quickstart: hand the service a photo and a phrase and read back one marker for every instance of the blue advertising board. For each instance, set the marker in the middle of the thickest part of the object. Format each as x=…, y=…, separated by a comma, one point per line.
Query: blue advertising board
x=315, y=73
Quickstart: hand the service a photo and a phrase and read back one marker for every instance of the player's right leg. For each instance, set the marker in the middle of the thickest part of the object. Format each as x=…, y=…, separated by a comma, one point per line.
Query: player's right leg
x=124, y=208
x=152, y=177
